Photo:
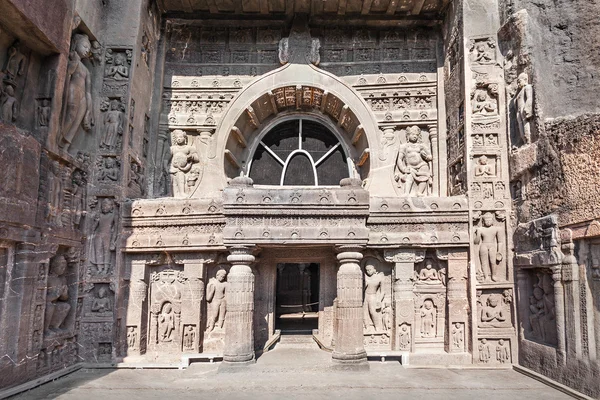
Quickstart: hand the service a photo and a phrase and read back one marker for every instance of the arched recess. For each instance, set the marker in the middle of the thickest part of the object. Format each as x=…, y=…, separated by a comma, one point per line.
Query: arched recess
x=303, y=90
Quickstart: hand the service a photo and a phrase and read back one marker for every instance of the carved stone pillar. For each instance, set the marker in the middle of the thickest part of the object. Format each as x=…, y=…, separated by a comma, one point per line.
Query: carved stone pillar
x=19, y=298
x=559, y=301
x=349, y=341
x=457, y=295
x=570, y=277
x=523, y=302
x=433, y=136
x=404, y=302
x=239, y=333
x=136, y=325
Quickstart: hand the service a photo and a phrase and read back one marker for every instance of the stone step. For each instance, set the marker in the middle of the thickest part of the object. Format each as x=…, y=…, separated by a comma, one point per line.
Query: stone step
x=296, y=341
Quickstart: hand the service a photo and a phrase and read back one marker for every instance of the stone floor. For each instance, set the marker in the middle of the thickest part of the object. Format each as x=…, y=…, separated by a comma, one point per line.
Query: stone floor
x=294, y=373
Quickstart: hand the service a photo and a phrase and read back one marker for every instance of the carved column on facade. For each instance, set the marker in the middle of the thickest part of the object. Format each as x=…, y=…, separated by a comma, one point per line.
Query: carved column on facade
x=138, y=289
x=523, y=303
x=559, y=301
x=349, y=345
x=458, y=299
x=570, y=278
x=20, y=296
x=404, y=303
x=433, y=136
x=239, y=333
x=160, y=173
x=192, y=298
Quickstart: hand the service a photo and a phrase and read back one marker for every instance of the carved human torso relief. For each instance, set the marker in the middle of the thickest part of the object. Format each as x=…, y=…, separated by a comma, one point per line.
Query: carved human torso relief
x=490, y=238
x=377, y=303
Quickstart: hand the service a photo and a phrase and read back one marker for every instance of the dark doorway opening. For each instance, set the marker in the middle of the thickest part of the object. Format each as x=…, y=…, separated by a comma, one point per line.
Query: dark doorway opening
x=297, y=297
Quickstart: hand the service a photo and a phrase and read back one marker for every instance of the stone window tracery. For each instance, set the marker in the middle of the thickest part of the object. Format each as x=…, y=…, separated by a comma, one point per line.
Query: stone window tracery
x=299, y=152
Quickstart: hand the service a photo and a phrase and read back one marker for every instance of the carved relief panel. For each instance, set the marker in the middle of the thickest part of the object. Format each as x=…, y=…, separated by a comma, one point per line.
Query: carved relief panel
x=377, y=303
x=165, y=294
x=216, y=308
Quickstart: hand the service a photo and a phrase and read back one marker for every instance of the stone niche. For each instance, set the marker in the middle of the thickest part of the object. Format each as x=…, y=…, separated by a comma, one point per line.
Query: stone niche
x=378, y=304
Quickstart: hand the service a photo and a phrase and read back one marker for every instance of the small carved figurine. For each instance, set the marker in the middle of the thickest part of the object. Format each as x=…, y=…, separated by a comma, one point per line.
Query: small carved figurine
x=9, y=105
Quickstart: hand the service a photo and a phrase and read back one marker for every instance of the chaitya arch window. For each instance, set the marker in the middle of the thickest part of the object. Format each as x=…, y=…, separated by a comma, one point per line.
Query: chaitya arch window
x=299, y=152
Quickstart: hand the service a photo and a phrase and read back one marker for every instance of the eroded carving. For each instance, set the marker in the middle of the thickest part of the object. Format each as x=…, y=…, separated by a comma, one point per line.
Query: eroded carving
x=57, y=296
x=77, y=104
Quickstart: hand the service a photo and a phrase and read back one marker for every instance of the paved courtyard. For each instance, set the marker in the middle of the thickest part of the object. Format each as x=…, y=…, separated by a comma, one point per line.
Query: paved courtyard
x=294, y=374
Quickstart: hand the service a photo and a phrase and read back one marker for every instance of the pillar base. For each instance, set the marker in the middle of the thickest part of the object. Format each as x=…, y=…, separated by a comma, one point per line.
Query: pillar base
x=349, y=362
x=348, y=359
x=227, y=367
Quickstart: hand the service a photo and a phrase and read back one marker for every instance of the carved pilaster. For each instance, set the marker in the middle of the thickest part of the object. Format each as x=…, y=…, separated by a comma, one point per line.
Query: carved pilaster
x=559, y=301
x=239, y=333
x=570, y=278
x=136, y=325
x=523, y=302
x=433, y=136
x=349, y=346
x=404, y=303
x=458, y=299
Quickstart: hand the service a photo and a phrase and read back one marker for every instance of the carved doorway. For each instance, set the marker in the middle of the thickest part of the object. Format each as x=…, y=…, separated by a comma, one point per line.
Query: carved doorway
x=297, y=297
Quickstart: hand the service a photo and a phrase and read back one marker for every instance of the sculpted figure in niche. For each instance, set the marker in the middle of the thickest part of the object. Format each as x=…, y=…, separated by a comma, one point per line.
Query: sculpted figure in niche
x=43, y=112
x=113, y=125
x=77, y=103
x=524, y=103
x=373, y=303
x=428, y=319
x=413, y=164
x=502, y=352
x=189, y=337
x=484, y=351
x=55, y=194
x=57, y=295
x=493, y=310
x=183, y=157
x=484, y=105
x=404, y=337
x=483, y=54
x=542, y=314
x=104, y=239
x=15, y=64
x=119, y=70
x=215, y=297
x=101, y=303
x=9, y=104
x=166, y=323
x=77, y=197
x=131, y=337
x=387, y=315
x=483, y=168
x=110, y=170
x=429, y=274
x=490, y=239
x=458, y=336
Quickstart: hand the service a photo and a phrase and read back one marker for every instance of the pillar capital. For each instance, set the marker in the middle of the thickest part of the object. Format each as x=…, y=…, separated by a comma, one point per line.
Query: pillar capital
x=241, y=255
